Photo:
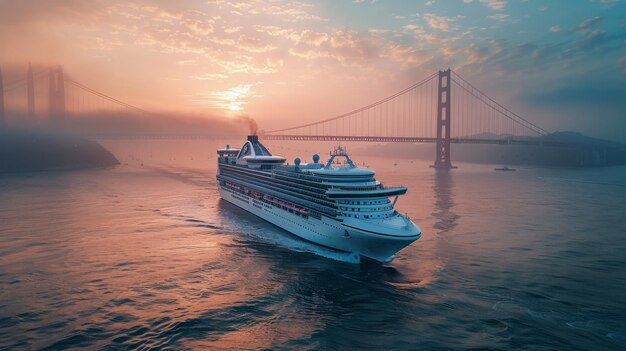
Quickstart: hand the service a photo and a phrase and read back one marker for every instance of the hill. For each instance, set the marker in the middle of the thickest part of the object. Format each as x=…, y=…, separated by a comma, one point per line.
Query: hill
x=27, y=150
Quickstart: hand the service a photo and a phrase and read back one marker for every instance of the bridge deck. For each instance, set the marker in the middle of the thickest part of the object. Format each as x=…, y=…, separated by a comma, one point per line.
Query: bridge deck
x=506, y=141
x=377, y=139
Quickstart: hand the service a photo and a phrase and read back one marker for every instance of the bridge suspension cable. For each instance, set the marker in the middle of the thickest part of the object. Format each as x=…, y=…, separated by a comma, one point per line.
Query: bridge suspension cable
x=411, y=115
x=505, y=112
x=362, y=109
x=22, y=82
x=106, y=97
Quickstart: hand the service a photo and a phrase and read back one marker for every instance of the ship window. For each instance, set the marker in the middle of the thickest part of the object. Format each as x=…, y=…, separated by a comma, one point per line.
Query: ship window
x=261, y=150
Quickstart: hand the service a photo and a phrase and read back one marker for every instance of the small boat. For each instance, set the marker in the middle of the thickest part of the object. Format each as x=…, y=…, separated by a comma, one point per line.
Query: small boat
x=505, y=168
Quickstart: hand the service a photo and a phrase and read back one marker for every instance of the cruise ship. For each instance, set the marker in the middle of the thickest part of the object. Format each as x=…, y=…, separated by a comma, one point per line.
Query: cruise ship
x=336, y=204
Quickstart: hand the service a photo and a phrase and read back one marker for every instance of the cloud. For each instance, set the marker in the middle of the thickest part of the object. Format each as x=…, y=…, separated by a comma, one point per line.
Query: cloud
x=442, y=23
x=432, y=38
x=309, y=54
x=347, y=47
x=594, y=40
x=292, y=14
x=408, y=55
x=230, y=30
x=500, y=17
x=606, y=2
x=309, y=37
x=274, y=31
x=476, y=54
x=449, y=52
x=587, y=24
x=414, y=29
x=555, y=29
x=494, y=4
x=587, y=91
x=253, y=44
x=199, y=27
x=210, y=76
x=246, y=66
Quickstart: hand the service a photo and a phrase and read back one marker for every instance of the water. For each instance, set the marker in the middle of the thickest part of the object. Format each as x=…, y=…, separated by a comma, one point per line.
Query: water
x=142, y=257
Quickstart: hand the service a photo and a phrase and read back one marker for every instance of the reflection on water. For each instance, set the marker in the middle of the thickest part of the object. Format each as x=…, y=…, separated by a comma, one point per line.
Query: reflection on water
x=443, y=190
x=150, y=257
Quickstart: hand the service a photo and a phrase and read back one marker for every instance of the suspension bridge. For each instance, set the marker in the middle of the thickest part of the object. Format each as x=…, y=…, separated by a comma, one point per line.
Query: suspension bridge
x=52, y=95
x=426, y=112
x=443, y=108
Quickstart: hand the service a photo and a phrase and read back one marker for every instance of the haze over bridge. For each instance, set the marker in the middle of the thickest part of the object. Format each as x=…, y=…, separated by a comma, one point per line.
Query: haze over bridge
x=443, y=108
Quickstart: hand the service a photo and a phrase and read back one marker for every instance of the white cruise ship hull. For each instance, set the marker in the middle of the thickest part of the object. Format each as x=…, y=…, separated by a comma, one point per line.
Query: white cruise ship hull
x=353, y=236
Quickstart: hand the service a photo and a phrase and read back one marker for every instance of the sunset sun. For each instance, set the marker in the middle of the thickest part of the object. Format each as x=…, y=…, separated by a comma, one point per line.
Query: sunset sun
x=233, y=99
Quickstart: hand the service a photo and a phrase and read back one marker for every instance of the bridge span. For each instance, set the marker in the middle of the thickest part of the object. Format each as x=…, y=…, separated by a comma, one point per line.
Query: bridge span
x=443, y=109
x=505, y=141
x=429, y=111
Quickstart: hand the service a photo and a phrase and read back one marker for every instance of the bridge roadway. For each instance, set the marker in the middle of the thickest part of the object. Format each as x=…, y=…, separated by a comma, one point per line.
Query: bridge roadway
x=380, y=139
x=505, y=141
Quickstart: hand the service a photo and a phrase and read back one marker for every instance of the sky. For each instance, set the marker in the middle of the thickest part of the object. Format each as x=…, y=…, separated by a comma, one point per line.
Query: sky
x=560, y=64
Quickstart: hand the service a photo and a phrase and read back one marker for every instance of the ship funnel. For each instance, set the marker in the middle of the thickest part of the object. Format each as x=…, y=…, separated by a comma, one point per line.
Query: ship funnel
x=253, y=138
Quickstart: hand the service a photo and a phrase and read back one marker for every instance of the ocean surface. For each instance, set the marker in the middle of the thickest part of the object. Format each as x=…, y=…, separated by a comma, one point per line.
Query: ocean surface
x=146, y=256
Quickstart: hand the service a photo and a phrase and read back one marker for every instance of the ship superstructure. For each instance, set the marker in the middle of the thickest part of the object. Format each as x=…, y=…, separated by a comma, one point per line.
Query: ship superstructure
x=336, y=204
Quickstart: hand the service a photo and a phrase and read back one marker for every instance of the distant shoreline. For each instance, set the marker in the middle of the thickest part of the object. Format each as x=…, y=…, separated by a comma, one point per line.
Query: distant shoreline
x=26, y=150
x=58, y=170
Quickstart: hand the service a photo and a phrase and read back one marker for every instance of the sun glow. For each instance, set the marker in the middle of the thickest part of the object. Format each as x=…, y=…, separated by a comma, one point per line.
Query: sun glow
x=233, y=99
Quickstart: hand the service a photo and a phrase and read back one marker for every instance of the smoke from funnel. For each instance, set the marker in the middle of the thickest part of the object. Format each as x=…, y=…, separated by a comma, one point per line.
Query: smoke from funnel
x=252, y=126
